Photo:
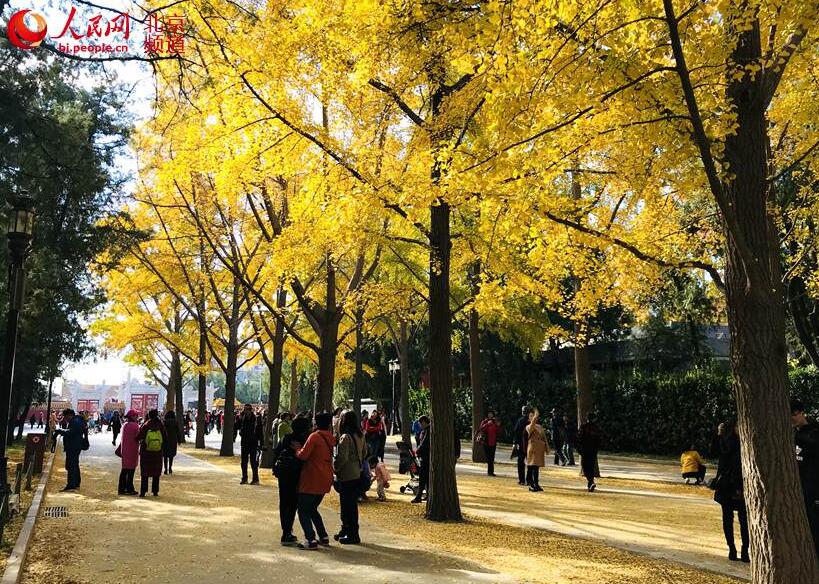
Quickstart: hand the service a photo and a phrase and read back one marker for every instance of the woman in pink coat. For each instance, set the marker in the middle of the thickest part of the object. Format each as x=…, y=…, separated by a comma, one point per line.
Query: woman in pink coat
x=129, y=447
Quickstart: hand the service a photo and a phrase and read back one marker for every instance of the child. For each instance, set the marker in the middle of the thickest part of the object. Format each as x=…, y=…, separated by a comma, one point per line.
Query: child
x=692, y=466
x=381, y=476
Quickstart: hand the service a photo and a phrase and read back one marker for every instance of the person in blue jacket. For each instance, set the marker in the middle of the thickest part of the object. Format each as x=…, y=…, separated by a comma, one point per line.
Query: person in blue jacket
x=74, y=436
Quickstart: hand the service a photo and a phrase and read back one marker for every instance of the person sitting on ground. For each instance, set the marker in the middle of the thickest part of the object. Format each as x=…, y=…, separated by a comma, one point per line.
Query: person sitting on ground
x=536, y=450
x=381, y=476
x=151, y=437
x=692, y=465
x=315, y=481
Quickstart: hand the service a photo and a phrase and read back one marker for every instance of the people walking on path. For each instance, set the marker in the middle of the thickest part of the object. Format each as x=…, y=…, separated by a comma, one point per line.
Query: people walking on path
x=40, y=420
x=558, y=432
x=352, y=450
x=381, y=476
x=692, y=466
x=488, y=435
x=588, y=444
x=75, y=437
x=519, y=443
x=151, y=437
x=422, y=454
x=536, y=449
x=315, y=481
x=169, y=446
x=287, y=469
x=129, y=451
x=571, y=440
x=728, y=491
x=188, y=422
x=115, y=425
x=32, y=420
x=250, y=444
x=806, y=438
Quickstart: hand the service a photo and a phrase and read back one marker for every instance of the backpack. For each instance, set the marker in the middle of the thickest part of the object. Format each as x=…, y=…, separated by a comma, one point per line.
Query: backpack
x=153, y=441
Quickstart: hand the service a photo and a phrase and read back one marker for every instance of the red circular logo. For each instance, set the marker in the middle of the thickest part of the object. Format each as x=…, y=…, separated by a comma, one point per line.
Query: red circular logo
x=20, y=35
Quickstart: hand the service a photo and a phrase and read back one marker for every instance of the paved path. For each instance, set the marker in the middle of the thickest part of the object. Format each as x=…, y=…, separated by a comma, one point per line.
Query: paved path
x=656, y=519
x=205, y=527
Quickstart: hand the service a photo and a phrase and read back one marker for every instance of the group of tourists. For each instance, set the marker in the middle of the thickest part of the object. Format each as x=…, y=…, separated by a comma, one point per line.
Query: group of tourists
x=308, y=464
x=530, y=445
x=152, y=445
x=314, y=454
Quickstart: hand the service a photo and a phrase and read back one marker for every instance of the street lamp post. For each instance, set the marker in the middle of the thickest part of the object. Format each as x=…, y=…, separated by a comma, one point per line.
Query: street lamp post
x=395, y=367
x=21, y=224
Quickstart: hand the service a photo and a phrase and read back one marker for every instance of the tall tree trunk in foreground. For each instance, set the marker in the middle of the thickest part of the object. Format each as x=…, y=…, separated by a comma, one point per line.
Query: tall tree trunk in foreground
x=403, y=357
x=294, y=386
x=274, y=393
x=782, y=550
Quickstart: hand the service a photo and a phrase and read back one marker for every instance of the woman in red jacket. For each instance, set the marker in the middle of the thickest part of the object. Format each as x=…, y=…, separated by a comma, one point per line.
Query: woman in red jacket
x=315, y=480
x=488, y=433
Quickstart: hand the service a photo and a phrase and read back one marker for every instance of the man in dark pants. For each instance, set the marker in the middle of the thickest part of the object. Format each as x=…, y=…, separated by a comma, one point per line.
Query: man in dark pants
x=806, y=437
x=251, y=442
x=73, y=435
x=422, y=453
x=519, y=445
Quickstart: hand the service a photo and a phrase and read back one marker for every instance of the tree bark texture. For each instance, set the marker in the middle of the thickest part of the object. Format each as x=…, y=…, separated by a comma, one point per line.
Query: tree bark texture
x=443, y=503
x=782, y=550
x=403, y=357
x=202, y=380
x=274, y=393
x=294, y=386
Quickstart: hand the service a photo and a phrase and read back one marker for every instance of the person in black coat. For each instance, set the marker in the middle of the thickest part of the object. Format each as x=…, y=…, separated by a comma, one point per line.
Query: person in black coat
x=116, y=426
x=169, y=446
x=75, y=434
x=728, y=490
x=806, y=438
x=519, y=444
x=287, y=469
x=558, y=429
x=423, y=453
x=252, y=441
x=589, y=439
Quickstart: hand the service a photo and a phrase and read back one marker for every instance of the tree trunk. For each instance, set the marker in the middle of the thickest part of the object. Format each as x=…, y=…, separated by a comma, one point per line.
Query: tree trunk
x=403, y=356
x=170, y=392
x=478, y=454
x=801, y=307
x=230, y=396
x=177, y=389
x=443, y=503
x=327, y=366
x=782, y=550
x=274, y=393
x=358, y=378
x=294, y=386
x=583, y=382
x=202, y=379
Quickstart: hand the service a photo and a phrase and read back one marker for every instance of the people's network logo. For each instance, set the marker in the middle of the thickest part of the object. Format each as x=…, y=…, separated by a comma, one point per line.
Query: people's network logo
x=20, y=35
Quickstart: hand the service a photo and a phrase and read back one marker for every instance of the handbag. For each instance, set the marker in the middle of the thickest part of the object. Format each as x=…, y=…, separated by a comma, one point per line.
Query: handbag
x=118, y=451
x=515, y=450
x=85, y=444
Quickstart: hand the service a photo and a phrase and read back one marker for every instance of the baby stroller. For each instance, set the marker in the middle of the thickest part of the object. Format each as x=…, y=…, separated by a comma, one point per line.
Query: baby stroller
x=407, y=463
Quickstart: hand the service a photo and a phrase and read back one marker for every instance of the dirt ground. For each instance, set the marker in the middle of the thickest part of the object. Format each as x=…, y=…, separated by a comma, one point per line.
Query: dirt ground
x=205, y=526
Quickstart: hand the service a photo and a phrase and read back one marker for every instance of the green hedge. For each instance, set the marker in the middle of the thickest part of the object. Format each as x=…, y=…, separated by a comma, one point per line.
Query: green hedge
x=652, y=414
